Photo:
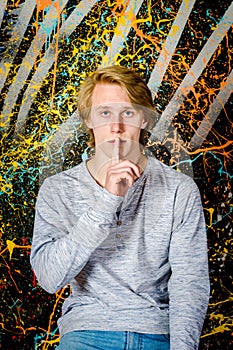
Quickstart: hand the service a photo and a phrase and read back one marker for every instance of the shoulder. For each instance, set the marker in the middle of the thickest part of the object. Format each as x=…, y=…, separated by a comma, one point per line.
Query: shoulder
x=179, y=189
x=173, y=180
x=63, y=179
x=170, y=173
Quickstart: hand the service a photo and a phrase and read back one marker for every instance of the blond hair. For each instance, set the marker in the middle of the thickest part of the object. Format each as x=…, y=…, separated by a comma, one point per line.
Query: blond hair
x=135, y=87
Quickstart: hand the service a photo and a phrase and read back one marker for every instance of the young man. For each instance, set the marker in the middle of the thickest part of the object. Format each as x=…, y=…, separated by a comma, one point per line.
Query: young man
x=124, y=230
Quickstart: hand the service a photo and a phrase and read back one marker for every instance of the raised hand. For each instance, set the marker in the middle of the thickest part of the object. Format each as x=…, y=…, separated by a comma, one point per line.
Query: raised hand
x=121, y=174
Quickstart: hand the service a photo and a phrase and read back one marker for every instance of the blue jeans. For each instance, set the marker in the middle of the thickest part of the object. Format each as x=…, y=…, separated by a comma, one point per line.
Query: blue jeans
x=106, y=340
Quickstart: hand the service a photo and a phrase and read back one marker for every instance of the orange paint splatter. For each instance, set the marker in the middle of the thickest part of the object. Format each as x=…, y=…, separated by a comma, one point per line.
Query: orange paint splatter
x=43, y=4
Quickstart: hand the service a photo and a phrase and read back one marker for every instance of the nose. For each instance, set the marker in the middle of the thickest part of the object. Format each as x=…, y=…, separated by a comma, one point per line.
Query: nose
x=117, y=125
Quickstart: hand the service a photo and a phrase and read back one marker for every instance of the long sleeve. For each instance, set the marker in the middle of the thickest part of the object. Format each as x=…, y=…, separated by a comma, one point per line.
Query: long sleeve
x=189, y=281
x=62, y=240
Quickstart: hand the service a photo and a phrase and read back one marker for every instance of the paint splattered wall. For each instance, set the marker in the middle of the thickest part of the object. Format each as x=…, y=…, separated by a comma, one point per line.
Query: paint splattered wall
x=183, y=49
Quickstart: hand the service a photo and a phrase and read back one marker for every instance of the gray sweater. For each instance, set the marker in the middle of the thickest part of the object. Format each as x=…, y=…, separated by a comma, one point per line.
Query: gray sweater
x=135, y=263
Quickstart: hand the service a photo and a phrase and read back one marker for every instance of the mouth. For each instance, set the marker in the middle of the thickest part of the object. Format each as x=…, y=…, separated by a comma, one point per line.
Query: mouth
x=114, y=140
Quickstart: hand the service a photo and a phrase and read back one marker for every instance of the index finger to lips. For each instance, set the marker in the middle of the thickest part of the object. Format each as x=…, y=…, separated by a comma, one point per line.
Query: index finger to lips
x=115, y=152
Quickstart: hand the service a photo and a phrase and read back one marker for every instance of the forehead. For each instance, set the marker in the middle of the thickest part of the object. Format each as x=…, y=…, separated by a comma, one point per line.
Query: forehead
x=106, y=93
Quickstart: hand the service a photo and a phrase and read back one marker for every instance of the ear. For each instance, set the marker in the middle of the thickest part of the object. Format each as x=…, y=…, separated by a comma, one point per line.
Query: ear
x=89, y=123
x=144, y=124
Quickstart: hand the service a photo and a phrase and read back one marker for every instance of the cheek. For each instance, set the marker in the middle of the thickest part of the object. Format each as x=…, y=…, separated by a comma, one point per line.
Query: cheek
x=98, y=123
x=99, y=131
x=134, y=131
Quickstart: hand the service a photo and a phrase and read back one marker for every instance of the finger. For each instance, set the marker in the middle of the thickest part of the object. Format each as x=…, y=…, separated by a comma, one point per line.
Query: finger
x=127, y=165
x=115, y=152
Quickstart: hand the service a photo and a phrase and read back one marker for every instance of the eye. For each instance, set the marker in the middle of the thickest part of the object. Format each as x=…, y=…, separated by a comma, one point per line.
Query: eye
x=128, y=114
x=105, y=114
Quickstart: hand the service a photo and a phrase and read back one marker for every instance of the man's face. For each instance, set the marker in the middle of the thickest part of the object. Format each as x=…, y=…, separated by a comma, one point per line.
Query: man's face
x=114, y=117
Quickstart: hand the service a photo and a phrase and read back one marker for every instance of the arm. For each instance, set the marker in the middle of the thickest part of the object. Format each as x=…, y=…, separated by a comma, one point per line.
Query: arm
x=63, y=243
x=189, y=282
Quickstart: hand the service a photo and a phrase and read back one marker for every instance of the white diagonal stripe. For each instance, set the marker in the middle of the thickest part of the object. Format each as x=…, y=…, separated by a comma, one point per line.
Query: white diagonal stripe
x=193, y=74
x=170, y=45
x=44, y=32
x=213, y=113
x=42, y=70
x=55, y=145
x=121, y=32
x=2, y=9
x=20, y=27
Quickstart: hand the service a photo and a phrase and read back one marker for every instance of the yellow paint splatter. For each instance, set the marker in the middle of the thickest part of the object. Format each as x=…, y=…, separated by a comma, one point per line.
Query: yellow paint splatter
x=211, y=211
x=10, y=245
x=160, y=22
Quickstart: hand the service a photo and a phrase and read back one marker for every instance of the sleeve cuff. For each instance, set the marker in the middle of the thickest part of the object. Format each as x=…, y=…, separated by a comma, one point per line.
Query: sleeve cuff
x=108, y=203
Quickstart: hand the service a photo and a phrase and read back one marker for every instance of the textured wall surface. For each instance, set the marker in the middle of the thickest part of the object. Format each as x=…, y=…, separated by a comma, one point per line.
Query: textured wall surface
x=184, y=50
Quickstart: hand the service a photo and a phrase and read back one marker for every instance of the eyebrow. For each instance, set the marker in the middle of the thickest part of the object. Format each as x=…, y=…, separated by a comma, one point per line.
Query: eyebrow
x=97, y=108
x=101, y=107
